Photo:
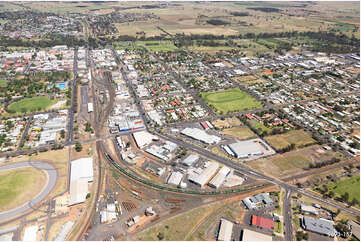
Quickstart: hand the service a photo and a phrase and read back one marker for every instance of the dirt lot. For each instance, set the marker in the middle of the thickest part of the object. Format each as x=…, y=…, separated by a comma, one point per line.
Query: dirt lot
x=226, y=123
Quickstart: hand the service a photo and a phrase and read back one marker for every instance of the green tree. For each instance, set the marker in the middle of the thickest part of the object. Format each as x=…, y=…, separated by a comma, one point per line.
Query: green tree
x=78, y=147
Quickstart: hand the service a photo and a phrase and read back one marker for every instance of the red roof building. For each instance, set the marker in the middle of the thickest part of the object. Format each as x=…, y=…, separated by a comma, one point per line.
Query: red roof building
x=262, y=222
x=249, y=116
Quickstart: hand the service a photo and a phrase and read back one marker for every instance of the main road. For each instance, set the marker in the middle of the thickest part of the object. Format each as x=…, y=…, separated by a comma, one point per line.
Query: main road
x=52, y=177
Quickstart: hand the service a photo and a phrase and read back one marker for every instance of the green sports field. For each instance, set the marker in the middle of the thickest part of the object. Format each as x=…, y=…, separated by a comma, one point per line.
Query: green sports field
x=18, y=186
x=3, y=83
x=230, y=100
x=30, y=104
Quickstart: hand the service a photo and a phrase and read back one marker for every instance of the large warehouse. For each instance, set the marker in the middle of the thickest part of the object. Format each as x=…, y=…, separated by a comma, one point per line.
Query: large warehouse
x=221, y=176
x=249, y=235
x=81, y=175
x=143, y=138
x=225, y=230
x=201, y=135
x=246, y=148
x=203, y=178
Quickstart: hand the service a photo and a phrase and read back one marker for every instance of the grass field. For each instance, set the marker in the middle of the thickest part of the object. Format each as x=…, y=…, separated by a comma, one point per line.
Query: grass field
x=18, y=186
x=297, y=137
x=230, y=100
x=30, y=104
x=261, y=127
x=350, y=185
x=3, y=83
x=239, y=132
x=157, y=45
x=294, y=161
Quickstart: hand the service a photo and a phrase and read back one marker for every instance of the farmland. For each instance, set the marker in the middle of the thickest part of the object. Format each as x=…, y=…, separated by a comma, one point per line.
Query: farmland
x=298, y=137
x=230, y=100
x=17, y=186
x=30, y=104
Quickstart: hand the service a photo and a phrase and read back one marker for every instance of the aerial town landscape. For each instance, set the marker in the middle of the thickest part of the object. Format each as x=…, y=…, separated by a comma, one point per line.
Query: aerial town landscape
x=175, y=121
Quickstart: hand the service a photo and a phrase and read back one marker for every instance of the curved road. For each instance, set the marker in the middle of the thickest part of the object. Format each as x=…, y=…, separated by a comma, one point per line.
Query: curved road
x=52, y=177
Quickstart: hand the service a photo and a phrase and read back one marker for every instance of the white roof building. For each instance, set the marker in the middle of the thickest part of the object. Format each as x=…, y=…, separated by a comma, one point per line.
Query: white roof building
x=80, y=176
x=143, y=138
x=221, y=176
x=82, y=169
x=175, y=178
x=201, y=135
x=203, y=178
x=249, y=235
x=225, y=231
x=30, y=233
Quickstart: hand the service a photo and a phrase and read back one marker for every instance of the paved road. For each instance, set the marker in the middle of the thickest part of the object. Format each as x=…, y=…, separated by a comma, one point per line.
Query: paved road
x=72, y=108
x=52, y=177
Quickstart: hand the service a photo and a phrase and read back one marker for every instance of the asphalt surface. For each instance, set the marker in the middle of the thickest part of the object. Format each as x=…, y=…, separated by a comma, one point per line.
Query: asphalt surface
x=52, y=177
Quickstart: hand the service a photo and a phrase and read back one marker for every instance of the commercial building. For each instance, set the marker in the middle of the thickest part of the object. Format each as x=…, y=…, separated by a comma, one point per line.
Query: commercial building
x=225, y=230
x=221, y=176
x=201, y=135
x=262, y=222
x=203, y=177
x=246, y=148
x=249, y=235
x=253, y=202
x=81, y=175
x=320, y=226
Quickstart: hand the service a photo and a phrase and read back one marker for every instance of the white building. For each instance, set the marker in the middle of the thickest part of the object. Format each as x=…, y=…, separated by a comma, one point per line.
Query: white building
x=221, y=176
x=225, y=230
x=202, y=178
x=201, y=135
x=81, y=175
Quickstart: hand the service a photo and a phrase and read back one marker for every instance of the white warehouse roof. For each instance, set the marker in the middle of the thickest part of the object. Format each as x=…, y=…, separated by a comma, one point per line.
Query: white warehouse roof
x=205, y=175
x=221, y=176
x=225, y=232
x=243, y=149
x=249, y=235
x=30, y=233
x=175, y=178
x=82, y=169
x=201, y=135
x=143, y=138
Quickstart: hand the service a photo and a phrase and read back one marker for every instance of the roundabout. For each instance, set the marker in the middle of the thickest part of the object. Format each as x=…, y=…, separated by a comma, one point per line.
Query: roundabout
x=16, y=171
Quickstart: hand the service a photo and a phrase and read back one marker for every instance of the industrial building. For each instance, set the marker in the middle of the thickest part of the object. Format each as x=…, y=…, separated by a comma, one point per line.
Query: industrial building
x=221, y=176
x=190, y=160
x=201, y=135
x=175, y=178
x=245, y=149
x=205, y=175
x=143, y=138
x=225, y=230
x=249, y=235
x=81, y=175
x=320, y=226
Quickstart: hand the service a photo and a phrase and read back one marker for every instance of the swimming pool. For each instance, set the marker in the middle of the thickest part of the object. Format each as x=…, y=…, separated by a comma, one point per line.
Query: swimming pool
x=61, y=85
